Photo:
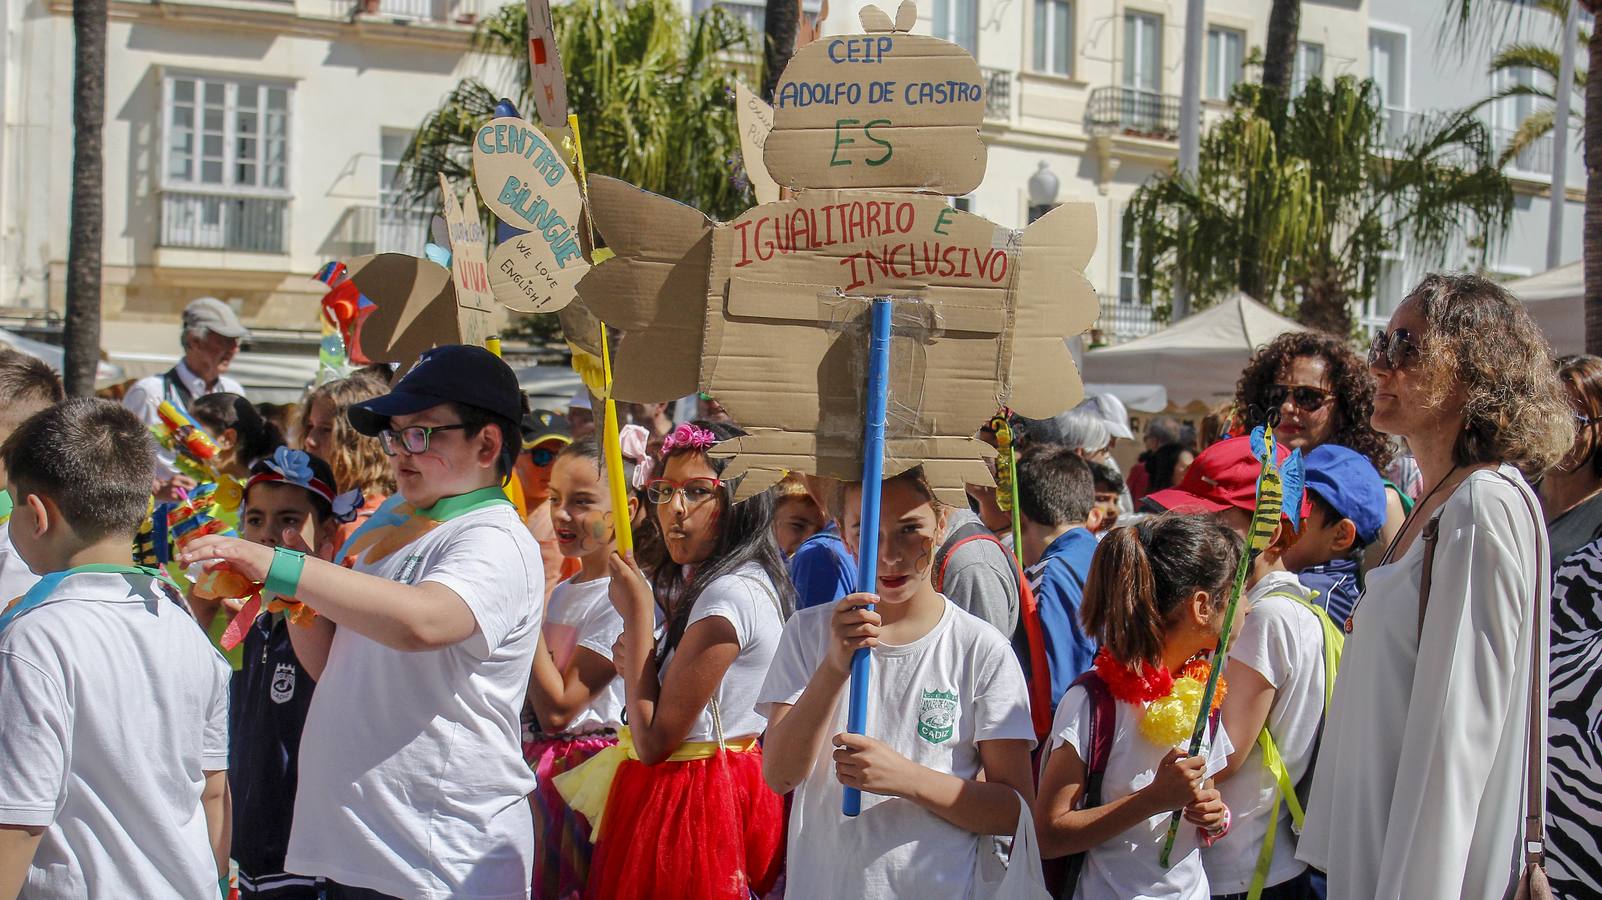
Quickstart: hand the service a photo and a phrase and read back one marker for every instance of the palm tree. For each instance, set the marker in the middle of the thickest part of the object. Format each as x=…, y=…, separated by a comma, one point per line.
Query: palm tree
x=650, y=90
x=1302, y=219
x=1473, y=18
x=1527, y=56
x=778, y=43
x=1279, y=51
x=81, y=328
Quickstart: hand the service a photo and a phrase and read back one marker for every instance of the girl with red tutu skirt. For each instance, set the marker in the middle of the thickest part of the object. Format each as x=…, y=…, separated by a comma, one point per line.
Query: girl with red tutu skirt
x=574, y=692
x=678, y=808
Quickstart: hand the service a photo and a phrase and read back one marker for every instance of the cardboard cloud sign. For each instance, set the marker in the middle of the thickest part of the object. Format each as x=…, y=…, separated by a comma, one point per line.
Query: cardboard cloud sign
x=768, y=313
x=530, y=186
x=880, y=110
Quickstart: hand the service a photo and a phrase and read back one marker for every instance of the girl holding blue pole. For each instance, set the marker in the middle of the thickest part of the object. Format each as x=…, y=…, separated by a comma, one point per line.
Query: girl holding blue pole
x=946, y=701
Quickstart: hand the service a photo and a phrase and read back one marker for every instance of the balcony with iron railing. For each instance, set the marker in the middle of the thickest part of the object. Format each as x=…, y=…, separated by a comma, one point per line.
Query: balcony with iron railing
x=1132, y=112
x=460, y=12
x=1536, y=157
x=998, y=94
x=378, y=229
x=1122, y=319
x=204, y=221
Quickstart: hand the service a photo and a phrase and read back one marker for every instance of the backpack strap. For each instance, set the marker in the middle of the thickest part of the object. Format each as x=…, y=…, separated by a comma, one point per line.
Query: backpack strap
x=1030, y=626
x=1285, y=791
x=1103, y=723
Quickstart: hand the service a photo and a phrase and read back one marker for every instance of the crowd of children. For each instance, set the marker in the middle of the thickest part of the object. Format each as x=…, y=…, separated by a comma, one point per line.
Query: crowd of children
x=449, y=696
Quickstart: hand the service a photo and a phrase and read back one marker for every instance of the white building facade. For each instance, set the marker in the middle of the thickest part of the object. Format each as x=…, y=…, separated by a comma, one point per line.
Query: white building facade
x=247, y=142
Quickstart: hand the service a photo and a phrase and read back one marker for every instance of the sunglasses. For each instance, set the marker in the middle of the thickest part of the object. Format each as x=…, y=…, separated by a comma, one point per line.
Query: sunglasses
x=696, y=491
x=542, y=456
x=1307, y=399
x=413, y=440
x=1393, y=350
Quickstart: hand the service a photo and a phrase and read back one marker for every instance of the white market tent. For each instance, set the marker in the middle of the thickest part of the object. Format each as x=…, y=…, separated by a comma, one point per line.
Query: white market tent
x=1556, y=301
x=1197, y=359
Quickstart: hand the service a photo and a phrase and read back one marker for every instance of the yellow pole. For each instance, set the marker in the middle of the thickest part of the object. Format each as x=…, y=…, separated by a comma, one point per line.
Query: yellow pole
x=493, y=344
x=611, y=448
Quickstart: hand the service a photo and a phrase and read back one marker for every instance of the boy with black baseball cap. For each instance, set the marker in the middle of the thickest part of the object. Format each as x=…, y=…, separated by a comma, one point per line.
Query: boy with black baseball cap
x=412, y=783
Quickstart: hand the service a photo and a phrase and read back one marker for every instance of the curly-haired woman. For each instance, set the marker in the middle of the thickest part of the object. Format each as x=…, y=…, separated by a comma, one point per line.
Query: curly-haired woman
x=1420, y=786
x=1324, y=395
x=356, y=460
x=1572, y=490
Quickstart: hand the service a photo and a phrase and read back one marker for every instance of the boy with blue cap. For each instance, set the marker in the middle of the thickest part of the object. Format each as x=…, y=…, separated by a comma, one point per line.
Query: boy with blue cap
x=412, y=781
x=1348, y=500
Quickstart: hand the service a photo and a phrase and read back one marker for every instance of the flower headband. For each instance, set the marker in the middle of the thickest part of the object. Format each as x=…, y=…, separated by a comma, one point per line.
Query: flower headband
x=288, y=466
x=686, y=437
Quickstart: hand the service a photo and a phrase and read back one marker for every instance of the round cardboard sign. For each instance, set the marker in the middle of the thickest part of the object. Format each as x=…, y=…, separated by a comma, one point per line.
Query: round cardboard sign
x=530, y=185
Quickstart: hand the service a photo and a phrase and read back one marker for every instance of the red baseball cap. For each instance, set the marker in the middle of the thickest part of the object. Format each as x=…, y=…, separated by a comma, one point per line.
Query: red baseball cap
x=1224, y=476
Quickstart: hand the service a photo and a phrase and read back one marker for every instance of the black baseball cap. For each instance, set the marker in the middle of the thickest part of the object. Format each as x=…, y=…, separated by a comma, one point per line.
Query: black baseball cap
x=455, y=373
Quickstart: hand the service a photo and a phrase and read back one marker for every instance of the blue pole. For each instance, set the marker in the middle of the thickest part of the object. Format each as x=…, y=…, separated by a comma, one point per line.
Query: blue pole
x=877, y=397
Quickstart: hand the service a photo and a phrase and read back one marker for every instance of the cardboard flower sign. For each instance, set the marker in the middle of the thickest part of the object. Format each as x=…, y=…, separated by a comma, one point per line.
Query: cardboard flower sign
x=531, y=187
x=768, y=313
x=422, y=304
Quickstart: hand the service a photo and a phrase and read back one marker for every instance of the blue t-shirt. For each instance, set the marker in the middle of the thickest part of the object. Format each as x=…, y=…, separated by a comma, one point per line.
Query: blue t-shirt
x=1338, y=585
x=822, y=569
x=1058, y=582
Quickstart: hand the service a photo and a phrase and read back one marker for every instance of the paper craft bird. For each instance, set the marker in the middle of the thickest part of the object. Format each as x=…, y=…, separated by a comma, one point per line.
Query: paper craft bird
x=766, y=313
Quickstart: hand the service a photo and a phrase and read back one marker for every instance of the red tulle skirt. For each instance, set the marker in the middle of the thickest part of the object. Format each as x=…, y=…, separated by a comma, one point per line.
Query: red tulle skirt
x=704, y=829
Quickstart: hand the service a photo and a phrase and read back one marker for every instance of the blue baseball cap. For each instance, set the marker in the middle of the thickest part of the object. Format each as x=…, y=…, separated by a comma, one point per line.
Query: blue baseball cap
x=453, y=373
x=1347, y=481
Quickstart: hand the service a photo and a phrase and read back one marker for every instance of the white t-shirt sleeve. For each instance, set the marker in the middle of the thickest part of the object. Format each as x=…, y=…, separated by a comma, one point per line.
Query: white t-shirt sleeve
x=1217, y=748
x=601, y=627
x=214, y=746
x=795, y=662
x=485, y=566
x=1264, y=643
x=1071, y=725
x=1001, y=707
x=35, y=734
x=732, y=597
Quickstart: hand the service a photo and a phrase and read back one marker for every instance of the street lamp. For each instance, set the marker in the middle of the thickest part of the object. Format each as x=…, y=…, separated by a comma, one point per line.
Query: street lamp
x=1043, y=187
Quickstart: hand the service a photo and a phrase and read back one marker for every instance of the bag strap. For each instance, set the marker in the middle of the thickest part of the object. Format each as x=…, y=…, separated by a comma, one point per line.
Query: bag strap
x=1535, y=751
x=1103, y=722
x=973, y=531
x=1431, y=531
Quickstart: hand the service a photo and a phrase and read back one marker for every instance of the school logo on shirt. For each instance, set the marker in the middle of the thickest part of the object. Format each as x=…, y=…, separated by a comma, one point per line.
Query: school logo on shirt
x=937, y=716
x=283, y=686
x=409, y=567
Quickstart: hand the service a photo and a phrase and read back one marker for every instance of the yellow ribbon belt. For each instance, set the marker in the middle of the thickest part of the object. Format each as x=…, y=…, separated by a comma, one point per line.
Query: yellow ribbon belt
x=586, y=786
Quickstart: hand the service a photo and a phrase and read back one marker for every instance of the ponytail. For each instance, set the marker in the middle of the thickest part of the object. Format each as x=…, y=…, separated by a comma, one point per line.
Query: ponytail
x=1141, y=575
x=258, y=437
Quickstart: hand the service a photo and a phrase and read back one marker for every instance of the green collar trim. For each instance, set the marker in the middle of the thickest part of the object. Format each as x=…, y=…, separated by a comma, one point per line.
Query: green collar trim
x=448, y=508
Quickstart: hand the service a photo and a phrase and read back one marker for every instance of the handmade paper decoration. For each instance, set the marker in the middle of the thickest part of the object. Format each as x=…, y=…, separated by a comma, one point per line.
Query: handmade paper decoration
x=421, y=303
x=545, y=66
x=755, y=119
x=530, y=185
x=767, y=313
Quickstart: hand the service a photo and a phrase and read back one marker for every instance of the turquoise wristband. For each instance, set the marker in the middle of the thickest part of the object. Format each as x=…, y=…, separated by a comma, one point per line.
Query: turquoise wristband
x=283, y=576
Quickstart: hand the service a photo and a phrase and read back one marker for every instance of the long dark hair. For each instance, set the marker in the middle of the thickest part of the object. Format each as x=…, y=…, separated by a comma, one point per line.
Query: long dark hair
x=745, y=536
x=1141, y=574
x=258, y=438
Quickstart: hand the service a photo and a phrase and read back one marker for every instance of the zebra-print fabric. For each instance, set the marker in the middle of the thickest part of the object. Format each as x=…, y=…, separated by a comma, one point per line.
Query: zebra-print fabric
x=1574, y=728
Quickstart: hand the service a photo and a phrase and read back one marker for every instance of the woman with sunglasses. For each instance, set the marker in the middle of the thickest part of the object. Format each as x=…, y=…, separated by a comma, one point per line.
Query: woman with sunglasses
x=1323, y=394
x=1420, y=786
x=679, y=808
x=1571, y=491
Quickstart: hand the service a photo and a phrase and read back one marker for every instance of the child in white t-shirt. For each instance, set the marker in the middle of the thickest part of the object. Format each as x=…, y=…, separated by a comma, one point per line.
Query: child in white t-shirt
x=29, y=385
x=1154, y=601
x=113, y=705
x=944, y=761
x=679, y=808
x=575, y=692
x=412, y=781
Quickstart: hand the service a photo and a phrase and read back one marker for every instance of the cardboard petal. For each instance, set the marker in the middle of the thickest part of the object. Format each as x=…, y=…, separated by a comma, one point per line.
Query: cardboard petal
x=527, y=182
x=416, y=309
